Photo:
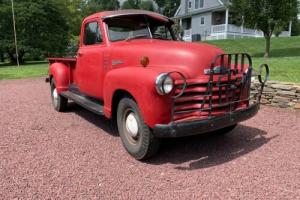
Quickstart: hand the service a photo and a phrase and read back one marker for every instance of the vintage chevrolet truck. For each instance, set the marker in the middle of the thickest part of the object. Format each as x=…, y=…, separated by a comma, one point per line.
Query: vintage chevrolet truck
x=131, y=68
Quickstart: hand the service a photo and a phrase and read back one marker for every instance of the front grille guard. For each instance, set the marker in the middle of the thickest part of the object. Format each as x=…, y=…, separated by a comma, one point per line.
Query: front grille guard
x=226, y=70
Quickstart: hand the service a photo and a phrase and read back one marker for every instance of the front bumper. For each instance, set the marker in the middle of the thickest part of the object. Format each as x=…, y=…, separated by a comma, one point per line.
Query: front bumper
x=203, y=126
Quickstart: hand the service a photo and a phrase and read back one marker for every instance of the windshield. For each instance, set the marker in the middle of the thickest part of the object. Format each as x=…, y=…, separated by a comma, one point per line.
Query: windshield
x=137, y=27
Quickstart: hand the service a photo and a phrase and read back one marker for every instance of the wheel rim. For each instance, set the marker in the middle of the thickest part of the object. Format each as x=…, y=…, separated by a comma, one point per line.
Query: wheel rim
x=55, y=96
x=131, y=127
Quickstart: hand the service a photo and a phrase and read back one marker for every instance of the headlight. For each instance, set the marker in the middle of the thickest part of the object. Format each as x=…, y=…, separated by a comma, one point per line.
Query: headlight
x=164, y=84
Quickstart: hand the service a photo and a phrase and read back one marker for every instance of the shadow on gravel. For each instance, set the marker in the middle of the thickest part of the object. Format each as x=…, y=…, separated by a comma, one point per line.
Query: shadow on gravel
x=206, y=151
x=99, y=121
x=196, y=152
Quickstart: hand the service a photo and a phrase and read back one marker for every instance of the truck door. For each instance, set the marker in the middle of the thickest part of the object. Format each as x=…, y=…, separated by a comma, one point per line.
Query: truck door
x=89, y=70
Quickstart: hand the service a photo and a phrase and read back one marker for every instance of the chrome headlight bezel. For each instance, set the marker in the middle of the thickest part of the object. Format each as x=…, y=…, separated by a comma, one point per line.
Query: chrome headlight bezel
x=164, y=84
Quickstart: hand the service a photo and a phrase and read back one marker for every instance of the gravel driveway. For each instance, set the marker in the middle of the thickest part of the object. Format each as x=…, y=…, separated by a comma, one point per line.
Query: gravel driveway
x=75, y=155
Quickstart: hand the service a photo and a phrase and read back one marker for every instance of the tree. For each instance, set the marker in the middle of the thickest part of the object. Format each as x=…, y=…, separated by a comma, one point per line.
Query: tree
x=138, y=4
x=296, y=28
x=131, y=4
x=73, y=11
x=279, y=27
x=265, y=15
x=168, y=7
x=40, y=27
x=147, y=5
x=101, y=5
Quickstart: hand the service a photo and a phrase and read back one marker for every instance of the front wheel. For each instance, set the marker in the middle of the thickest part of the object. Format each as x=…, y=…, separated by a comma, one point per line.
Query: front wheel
x=136, y=136
x=59, y=102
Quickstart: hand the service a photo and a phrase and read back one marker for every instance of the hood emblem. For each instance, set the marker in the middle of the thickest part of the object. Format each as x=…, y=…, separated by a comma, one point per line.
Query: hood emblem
x=217, y=70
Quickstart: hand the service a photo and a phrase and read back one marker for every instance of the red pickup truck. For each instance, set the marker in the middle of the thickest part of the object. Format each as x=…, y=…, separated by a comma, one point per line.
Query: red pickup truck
x=131, y=68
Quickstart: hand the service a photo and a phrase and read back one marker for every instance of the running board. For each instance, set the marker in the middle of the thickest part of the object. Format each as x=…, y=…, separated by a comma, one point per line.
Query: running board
x=86, y=102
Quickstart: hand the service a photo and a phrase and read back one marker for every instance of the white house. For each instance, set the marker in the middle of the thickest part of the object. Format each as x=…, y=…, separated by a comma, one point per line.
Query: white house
x=211, y=20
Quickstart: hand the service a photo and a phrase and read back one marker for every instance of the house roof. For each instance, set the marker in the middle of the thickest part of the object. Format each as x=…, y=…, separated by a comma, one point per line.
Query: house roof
x=109, y=14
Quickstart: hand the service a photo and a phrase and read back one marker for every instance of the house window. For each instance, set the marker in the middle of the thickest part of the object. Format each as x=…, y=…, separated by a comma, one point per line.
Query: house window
x=199, y=4
x=202, y=21
x=190, y=4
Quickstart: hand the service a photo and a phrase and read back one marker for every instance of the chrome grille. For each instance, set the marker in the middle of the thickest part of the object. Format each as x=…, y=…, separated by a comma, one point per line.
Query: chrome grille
x=225, y=88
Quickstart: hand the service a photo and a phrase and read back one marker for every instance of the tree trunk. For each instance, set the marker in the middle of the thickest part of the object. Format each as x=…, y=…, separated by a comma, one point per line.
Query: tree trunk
x=268, y=45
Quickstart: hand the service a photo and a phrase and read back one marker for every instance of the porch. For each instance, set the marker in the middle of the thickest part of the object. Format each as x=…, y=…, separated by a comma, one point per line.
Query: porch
x=223, y=27
x=231, y=31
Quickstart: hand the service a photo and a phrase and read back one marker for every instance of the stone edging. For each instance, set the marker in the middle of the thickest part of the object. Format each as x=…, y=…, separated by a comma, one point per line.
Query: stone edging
x=279, y=94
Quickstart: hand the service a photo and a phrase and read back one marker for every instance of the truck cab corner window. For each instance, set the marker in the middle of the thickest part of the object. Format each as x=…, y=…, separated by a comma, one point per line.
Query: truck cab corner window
x=92, y=34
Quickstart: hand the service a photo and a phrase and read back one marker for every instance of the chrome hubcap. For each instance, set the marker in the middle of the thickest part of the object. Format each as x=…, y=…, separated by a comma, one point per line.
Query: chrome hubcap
x=132, y=125
x=55, y=96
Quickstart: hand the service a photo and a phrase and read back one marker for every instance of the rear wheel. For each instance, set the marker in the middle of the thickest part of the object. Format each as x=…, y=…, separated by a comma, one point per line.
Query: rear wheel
x=136, y=136
x=59, y=102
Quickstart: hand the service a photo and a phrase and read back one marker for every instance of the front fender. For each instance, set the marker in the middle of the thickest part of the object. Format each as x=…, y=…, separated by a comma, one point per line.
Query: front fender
x=140, y=83
x=60, y=73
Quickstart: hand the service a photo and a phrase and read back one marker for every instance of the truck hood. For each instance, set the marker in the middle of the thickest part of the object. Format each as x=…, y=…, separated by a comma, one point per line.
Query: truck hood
x=189, y=58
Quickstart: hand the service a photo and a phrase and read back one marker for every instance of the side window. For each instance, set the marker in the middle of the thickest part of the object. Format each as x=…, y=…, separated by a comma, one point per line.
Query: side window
x=92, y=34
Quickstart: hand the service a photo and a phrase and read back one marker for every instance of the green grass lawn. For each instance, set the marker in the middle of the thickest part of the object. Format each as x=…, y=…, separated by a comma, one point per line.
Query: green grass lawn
x=284, y=61
x=29, y=70
x=280, y=47
x=285, y=69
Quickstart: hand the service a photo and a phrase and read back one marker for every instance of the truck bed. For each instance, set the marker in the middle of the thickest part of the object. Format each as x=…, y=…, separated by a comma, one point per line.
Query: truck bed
x=67, y=61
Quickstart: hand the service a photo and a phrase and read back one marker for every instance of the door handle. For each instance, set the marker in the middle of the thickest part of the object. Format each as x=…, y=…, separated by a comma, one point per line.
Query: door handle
x=80, y=54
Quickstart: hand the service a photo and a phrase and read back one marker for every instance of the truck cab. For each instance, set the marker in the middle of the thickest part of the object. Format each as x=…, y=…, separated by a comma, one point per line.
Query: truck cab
x=131, y=68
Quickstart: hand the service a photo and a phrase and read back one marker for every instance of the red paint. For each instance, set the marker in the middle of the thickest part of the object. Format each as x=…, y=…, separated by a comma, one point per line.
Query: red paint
x=96, y=76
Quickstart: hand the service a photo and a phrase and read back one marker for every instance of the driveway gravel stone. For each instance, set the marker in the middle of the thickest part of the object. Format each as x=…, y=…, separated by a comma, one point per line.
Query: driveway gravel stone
x=76, y=155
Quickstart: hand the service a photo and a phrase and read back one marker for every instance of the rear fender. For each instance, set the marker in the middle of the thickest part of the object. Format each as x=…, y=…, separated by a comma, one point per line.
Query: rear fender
x=61, y=75
x=140, y=84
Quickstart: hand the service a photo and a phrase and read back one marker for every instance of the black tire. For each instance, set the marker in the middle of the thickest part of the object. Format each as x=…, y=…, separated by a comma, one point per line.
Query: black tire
x=59, y=103
x=226, y=130
x=144, y=144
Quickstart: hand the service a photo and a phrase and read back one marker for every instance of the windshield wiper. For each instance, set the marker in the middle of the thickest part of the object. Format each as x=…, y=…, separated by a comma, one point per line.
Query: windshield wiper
x=136, y=37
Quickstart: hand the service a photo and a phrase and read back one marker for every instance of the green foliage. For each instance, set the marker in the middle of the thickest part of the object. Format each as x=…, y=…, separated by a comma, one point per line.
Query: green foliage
x=94, y=6
x=147, y=5
x=131, y=4
x=73, y=11
x=265, y=15
x=72, y=47
x=138, y=4
x=41, y=29
x=168, y=7
x=279, y=27
x=296, y=28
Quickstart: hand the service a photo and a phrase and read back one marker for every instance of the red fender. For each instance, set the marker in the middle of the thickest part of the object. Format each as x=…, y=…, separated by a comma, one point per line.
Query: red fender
x=154, y=108
x=61, y=75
